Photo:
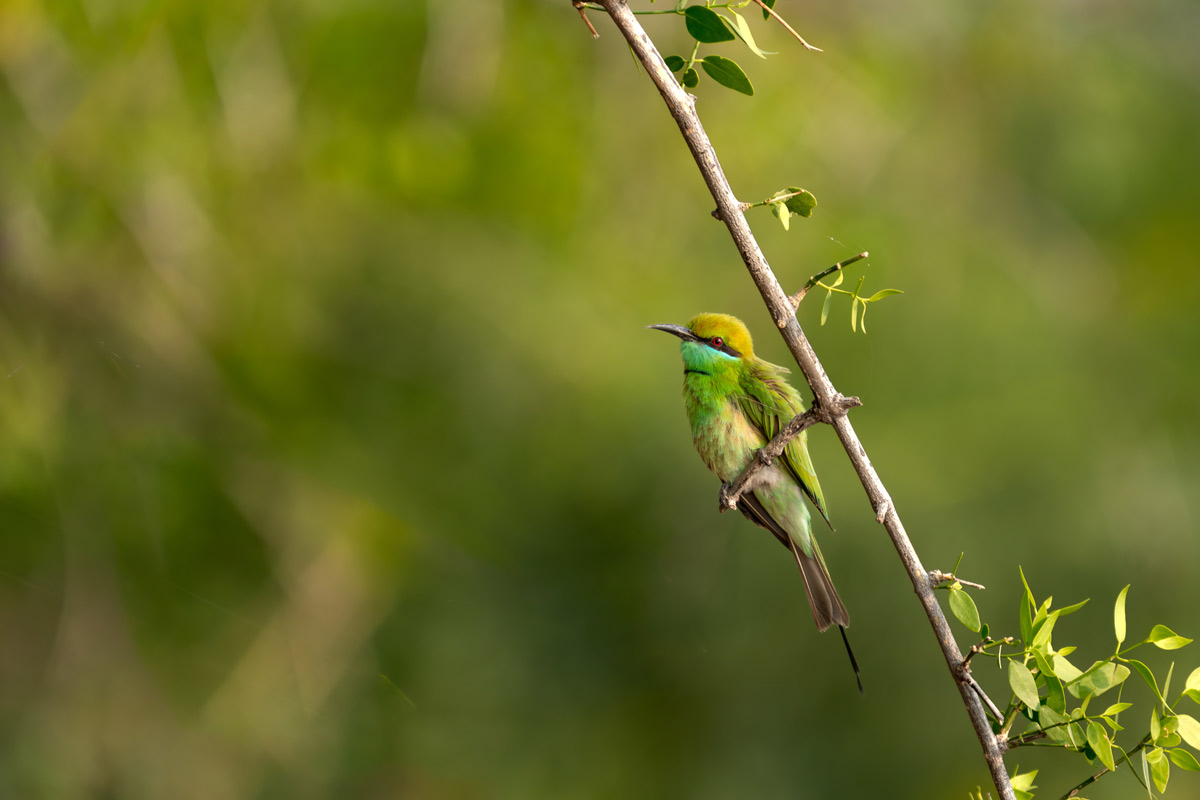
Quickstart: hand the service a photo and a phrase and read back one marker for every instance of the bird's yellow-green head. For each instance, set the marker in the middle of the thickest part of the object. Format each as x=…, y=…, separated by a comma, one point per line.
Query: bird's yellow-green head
x=717, y=333
x=723, y=332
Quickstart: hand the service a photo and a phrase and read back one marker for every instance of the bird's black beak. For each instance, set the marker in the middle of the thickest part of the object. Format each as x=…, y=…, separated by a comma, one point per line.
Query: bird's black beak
x=678, y=330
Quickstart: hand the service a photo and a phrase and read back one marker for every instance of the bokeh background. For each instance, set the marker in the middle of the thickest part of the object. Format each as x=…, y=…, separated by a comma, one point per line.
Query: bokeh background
x=335, y=459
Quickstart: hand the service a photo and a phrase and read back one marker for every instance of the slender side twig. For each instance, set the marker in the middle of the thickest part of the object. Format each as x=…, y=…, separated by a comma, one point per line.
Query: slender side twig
x=790, y=29
x=1089, y=781
x=987, y=701
x=798, y=296
x=581, y=7
x=682, y=109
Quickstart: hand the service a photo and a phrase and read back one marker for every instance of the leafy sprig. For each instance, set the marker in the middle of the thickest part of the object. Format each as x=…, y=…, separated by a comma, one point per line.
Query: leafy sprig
x=1051, y=696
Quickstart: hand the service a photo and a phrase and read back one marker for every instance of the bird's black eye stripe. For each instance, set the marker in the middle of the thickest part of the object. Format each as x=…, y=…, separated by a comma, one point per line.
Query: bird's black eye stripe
x=717, y=343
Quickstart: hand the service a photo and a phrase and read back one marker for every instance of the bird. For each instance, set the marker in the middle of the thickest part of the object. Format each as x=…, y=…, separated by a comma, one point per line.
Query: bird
x=736, y=402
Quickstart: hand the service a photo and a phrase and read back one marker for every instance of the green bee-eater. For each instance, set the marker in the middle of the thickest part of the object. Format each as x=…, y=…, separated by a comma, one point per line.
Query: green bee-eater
x=736, y=403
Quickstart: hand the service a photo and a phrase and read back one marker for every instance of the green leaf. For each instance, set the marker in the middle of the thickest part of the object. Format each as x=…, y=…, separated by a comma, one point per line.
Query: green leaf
x=1164, y=638
x=1042, y=631
x=1189, y=730
x=1193, y=695
x=1023, y=685
x=1119, y=617
x=726, y=72
x=1024, y=781
x=1099, y=679
x=1115, y=708
x=1063, y=668
x=882, y=293
x=782, y=213
x=675, y=63
x=1056, y=697
x=1155, y=725
x=825, y=307
x=705, y=25
x=838, y=280
x=1042, y=611
x=853, y=315
x=742, y=29
x=1184, y=760
x=1098, y=739
x=1147, y=676
x=801, y=202
x=964, y=608
x=1160, y=768
x=1025, y=615
x=691, y=78
x=1062, y=612
x=769, y=4
x=1051, y=721
x=1193, y=680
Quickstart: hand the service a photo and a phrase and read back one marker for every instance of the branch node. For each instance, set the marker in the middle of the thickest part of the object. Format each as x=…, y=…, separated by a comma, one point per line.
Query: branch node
x=937, y=577
x=743, y=207
x=882, y=509
x=799, y=296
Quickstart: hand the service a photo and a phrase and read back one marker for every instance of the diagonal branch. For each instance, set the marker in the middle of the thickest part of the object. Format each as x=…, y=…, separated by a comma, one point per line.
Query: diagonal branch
x=682, y=108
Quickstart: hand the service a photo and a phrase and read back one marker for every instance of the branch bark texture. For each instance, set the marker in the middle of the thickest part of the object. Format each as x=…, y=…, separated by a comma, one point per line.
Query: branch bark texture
x=682, y=109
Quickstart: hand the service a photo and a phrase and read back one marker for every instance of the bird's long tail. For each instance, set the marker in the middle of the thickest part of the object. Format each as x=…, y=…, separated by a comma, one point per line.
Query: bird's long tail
x=853, y=661
x=827, y=607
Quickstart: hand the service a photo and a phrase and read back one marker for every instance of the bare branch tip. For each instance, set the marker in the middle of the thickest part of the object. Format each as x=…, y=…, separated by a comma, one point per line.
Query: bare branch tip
x=581, y=6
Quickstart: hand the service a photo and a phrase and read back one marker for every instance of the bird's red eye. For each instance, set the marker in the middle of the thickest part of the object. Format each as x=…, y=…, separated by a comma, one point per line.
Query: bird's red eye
x=718, y=342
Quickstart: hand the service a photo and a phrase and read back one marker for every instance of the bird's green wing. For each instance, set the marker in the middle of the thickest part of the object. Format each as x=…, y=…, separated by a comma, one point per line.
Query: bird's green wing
x=770, y=402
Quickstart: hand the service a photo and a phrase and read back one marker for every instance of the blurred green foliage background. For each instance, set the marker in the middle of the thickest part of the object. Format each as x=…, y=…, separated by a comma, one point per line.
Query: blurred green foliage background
x=335, y=460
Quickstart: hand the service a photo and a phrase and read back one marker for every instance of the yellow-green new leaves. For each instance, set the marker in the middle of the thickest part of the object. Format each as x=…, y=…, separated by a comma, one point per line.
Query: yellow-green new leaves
x=1119, y=617
x=1020, y=679
x=1189, y=730
x=1191, y=689
x=1045, y=685
x=792, y=200
x=1160, y=768
x=964, y=607
x=1023, y=785
x=1098, y=740
x=1164, y=638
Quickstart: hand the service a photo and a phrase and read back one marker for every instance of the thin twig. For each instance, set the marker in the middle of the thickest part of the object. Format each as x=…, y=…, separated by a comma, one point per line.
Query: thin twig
x=783, y=22
x=798, y=296
x=581, y=7
x=824, y=393
x=1089, y=781
x=987, y=701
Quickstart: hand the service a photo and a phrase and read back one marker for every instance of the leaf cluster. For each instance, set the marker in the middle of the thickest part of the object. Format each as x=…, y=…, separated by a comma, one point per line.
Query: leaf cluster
x=858, y=305
x=715, y=23
x=1054, y=698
